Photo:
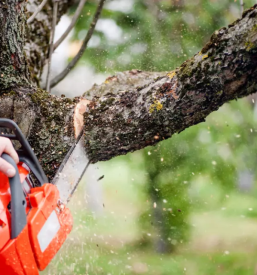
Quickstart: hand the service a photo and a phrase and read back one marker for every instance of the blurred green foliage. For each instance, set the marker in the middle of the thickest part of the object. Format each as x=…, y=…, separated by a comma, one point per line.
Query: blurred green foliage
x=159, y=36
x=213, y=153
x=153, y=35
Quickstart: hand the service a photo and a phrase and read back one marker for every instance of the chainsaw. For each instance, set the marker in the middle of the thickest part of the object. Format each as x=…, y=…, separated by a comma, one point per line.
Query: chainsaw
x=34, y=219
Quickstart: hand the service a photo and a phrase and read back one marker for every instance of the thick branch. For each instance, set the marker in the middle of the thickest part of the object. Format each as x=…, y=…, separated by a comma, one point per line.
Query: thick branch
x=47, y=121
x=132, y=110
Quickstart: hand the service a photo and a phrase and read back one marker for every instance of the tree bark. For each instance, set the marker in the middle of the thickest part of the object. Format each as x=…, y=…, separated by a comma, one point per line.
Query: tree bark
x=130, y=110
x=136, y=109
x=13, y=67
x=46, y=120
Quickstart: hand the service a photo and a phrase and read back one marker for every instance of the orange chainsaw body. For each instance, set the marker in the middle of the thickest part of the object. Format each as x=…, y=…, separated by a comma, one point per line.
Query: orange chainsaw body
x=48, y=224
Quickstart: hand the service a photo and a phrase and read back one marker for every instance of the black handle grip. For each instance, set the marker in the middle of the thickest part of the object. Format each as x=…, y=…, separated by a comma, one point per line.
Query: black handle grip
x=18, y=201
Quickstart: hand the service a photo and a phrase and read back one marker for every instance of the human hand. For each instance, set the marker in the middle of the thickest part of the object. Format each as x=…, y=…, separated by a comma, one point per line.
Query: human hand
x=7, y=147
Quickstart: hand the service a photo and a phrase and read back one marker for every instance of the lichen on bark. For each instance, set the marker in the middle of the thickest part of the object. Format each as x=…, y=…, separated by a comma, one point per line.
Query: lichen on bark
x=52, y=133
x=13, y=67
x=130, y=110
x=46, y=120
x=124, y=120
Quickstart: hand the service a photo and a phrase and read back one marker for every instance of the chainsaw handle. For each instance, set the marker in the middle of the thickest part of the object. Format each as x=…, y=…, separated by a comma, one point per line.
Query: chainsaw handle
x=25, y=153
x=18, y=201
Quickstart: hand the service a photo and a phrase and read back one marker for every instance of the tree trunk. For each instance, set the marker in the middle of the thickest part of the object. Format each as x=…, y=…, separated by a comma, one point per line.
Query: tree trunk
x=130, y=110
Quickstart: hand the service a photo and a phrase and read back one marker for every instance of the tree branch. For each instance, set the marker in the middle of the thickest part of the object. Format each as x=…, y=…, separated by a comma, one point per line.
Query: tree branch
x=38, y=34
x=241, y=6
x=132, y=110
x=135, y=109
x=72, y=24
x=74, y=61
x=39, y=8
x=51, y=49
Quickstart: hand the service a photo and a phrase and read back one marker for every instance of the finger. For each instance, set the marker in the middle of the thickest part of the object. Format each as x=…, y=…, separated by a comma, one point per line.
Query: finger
x=7, y=147
x=7, y=168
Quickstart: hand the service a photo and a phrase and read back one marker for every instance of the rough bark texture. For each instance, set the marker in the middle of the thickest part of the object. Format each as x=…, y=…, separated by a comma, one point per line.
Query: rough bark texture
x=46, y=120
x=132, y=110
x=13, y=69
x=129, y=111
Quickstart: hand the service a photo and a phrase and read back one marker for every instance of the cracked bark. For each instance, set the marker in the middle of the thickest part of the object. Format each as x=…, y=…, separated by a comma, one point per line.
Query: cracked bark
x=130, y=110
x=127, y=114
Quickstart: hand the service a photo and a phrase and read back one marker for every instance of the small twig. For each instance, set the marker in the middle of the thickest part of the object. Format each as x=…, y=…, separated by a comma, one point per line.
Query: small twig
x=74, y=61
x=73, y=22
x=242, y=6
x=55, y=10
x=39, y=8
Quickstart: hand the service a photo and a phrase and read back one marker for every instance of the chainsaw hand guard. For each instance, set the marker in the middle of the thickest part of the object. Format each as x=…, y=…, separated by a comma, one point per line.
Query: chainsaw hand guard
x=33, y=222
x=25, y=153
x=18, y=201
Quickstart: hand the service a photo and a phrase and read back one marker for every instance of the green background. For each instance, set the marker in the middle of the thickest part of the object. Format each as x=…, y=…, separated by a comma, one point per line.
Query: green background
x=189, y=204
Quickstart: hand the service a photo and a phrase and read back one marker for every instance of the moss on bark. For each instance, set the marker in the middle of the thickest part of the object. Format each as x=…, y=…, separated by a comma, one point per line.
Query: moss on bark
x=225, y=69
x=13, y=67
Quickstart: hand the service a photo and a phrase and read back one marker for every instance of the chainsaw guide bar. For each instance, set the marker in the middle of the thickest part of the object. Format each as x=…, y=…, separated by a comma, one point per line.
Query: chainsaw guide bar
x=71, y=170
